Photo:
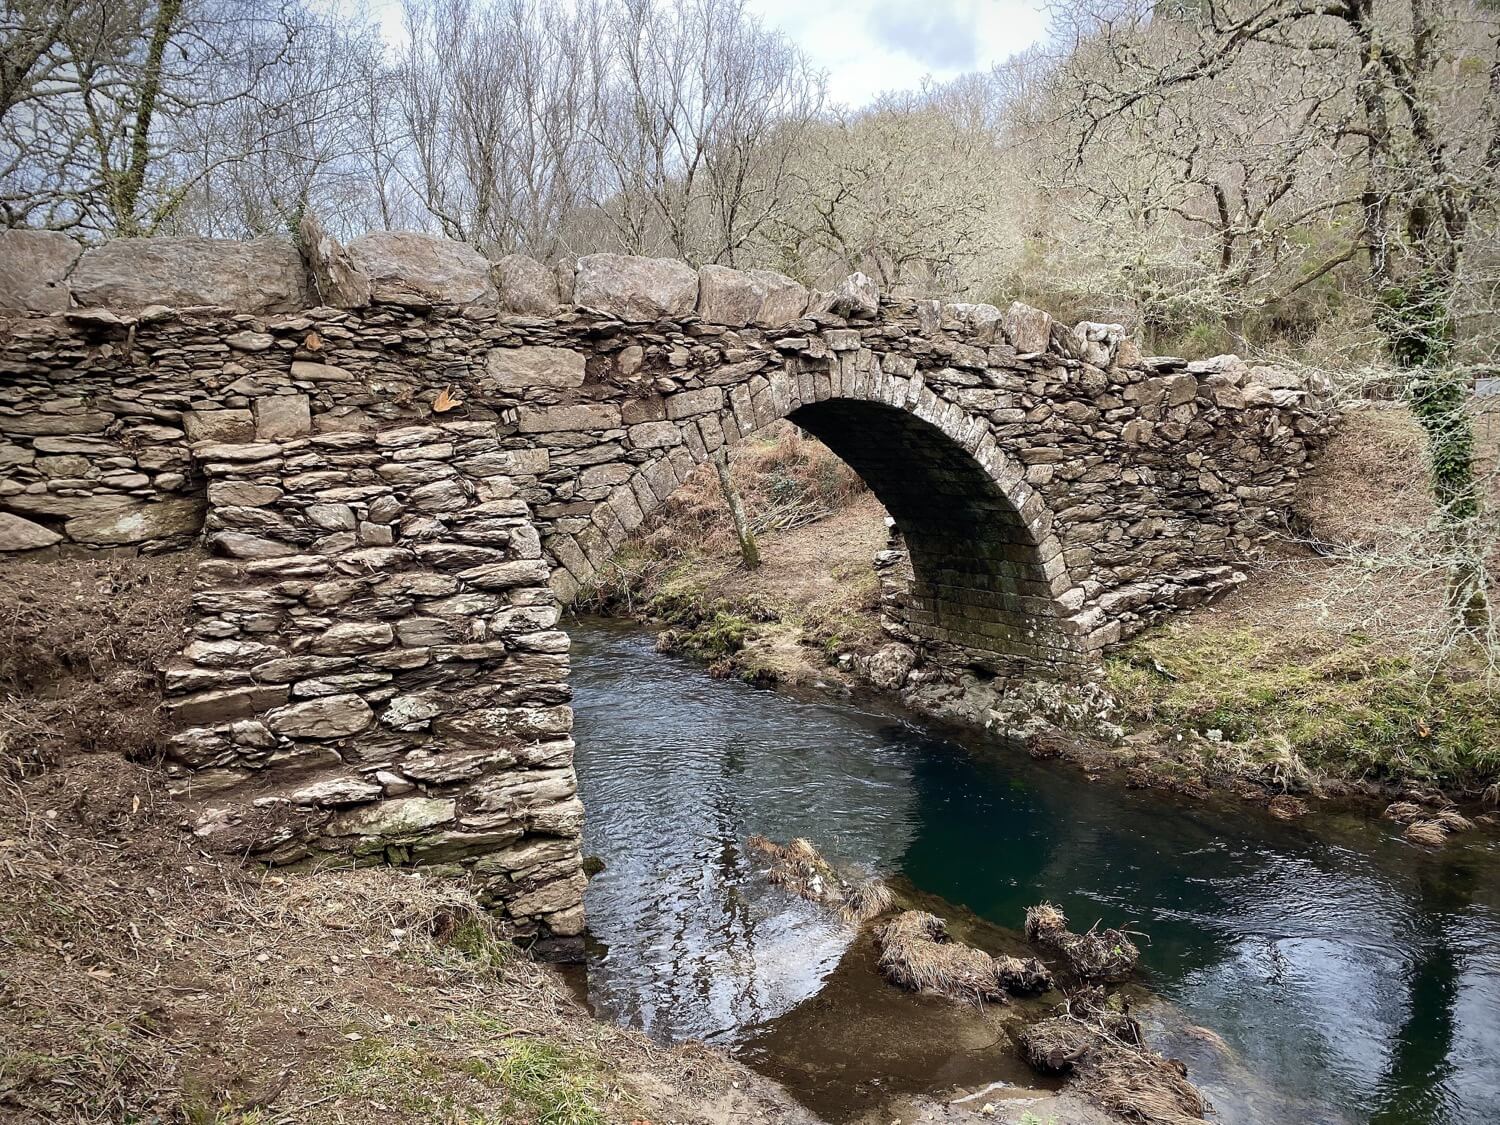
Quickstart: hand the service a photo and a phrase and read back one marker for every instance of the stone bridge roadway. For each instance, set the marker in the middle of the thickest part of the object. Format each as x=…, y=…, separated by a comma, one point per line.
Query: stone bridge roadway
x=376, y=667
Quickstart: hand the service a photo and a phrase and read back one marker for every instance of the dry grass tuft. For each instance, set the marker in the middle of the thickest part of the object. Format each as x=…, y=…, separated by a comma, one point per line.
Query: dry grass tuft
x=917, y=954
x=1404, y=812
x=1284, y=806
x=1023, y=976
x=1140, y=1086
x=1043, y=919
x=1451, y=820
x=800, y=868
x=1425, y=825
x=1428, y=833
x=1054, y=1046
x=867, y=900
x=1110, y=1065
x=1105, y=956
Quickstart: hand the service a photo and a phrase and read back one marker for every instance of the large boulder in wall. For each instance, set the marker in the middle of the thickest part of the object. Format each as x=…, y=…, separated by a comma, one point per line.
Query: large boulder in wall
x=34, y=265
x=263, y=275
x=737, y=298
x=636, y=289
x=527, y=286
x=405, y=267
x=335, y=279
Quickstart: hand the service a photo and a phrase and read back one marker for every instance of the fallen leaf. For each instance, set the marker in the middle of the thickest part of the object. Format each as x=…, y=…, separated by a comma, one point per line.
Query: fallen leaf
x=445, y=401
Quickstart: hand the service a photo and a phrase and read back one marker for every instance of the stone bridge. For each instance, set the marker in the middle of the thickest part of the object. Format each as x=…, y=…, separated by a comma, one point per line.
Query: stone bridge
x=403, y=460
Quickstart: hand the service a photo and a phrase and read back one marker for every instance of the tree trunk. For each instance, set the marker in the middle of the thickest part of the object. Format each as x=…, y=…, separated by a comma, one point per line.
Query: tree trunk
x=127, y=189
x=749, y=552
x=1417, y=321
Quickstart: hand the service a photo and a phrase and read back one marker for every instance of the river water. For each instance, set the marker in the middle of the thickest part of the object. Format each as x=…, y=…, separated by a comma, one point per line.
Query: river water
x=1352, y=977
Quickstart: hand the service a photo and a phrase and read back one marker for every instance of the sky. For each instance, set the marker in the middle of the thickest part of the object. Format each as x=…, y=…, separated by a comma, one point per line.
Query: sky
x=869, y=46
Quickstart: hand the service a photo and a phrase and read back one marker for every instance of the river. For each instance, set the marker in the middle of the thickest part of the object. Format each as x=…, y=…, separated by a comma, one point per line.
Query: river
x=1353, y=977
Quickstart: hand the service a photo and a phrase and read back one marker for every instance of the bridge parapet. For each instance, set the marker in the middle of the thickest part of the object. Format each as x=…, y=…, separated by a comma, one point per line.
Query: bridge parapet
x=399, y=493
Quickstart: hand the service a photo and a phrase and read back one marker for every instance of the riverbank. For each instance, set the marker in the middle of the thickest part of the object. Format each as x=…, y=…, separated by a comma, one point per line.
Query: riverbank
x=144, y=980
x=1320, y=676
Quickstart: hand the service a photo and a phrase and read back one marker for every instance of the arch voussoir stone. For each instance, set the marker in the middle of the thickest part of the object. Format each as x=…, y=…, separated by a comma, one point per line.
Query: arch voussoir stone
x=401, y=494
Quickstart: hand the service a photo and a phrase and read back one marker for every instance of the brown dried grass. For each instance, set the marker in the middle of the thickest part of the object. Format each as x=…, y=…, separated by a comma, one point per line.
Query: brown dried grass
x=1428, y=833
x=1106, y=955
x=800, y=868
x=1139, y=1086
x=143, y=981
x=917, y=954
x=1451, y=820
x=1054, y=1046
x=867, y=900
x=1111, y=1067
x=1404, y=812
x=1023, y=976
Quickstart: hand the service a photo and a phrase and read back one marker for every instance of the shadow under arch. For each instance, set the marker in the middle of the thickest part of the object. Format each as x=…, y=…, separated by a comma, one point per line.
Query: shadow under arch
x=982, y=585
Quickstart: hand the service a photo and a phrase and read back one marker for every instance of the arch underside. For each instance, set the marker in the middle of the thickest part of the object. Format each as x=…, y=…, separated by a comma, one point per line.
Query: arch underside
x=979, y=585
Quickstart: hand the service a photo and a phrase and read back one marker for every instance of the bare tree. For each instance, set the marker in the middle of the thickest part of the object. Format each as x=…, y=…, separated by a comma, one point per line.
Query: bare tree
x=698, y=114
x=145, y=100
x=495, y=103
x=901, y=191
x=1419, y=140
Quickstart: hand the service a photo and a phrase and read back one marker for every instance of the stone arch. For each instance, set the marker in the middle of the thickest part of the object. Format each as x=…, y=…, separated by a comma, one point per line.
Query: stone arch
x=989, y=580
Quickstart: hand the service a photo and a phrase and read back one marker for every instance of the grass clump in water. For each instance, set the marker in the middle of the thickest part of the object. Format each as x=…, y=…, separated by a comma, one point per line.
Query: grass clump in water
x=1297, y=708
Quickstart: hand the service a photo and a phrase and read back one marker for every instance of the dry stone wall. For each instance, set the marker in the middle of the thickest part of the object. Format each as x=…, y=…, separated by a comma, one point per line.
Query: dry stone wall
x=404, y=459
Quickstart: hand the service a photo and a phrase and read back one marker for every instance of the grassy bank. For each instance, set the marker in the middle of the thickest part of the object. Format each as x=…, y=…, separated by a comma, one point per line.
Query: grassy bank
x=143, y=981
x=1328, y=672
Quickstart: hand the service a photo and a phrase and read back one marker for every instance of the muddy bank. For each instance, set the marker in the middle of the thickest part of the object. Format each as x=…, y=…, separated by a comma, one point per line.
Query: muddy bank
x=144, y=981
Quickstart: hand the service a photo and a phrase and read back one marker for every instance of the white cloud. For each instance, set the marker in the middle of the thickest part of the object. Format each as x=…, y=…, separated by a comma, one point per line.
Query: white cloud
x=865, y=46
x=870, y=46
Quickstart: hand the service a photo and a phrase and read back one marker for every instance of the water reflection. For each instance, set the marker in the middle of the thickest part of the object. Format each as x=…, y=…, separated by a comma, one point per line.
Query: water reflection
x=1353, y=977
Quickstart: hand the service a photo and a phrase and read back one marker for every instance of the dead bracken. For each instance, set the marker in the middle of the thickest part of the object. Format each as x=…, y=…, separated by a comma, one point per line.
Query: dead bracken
x=1104, y=956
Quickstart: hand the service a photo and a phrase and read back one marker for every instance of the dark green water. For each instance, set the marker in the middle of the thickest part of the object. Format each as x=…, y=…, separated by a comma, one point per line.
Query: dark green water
x=1355, y=978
